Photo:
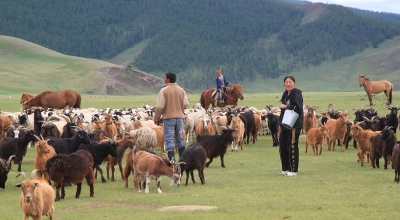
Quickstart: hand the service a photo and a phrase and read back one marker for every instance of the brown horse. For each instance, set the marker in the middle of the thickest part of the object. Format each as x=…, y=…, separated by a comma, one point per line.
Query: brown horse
x=376, y=87
x=58, y=100
x=232, y=95
x=25, y=97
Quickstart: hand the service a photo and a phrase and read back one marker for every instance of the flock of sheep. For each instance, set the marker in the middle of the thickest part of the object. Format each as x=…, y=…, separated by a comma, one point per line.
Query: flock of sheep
x=70, y=144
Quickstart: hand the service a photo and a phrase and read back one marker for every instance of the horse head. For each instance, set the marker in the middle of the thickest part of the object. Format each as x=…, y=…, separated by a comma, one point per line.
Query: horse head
x=237, y=90
x=361, y=79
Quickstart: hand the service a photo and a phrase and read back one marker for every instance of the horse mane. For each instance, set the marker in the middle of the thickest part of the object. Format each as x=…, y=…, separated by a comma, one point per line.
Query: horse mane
x=363, y=76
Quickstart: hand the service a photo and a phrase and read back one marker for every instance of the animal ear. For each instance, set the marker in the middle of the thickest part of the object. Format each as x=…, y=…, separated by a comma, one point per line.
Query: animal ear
x=18, y=185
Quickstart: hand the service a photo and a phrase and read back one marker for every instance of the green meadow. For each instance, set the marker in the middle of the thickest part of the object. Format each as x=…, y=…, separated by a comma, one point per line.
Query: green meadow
x=329, y=186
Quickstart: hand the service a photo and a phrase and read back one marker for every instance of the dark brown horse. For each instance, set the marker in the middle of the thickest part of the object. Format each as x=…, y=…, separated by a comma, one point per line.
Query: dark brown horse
x=58, y=100
x=232, y=95
x=376, y=87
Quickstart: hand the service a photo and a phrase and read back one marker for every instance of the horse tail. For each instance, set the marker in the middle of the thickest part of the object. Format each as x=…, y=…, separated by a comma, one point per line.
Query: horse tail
x=78, y=101
x=390, y=95
x=202, y=101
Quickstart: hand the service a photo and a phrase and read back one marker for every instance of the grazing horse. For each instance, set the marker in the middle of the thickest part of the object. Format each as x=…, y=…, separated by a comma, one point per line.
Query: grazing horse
x=58, y=100
x=376, y=87
x=232, y=95
x=25, y=97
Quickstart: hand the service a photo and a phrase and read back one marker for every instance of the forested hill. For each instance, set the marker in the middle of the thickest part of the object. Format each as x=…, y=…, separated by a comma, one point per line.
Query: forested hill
x=248, y=39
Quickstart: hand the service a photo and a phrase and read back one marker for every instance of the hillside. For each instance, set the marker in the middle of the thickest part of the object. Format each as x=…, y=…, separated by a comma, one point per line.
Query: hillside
x=249, y=40
x=28, y=67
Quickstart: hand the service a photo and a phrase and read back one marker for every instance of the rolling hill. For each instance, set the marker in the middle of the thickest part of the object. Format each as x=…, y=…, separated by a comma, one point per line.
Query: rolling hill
x=28, y=67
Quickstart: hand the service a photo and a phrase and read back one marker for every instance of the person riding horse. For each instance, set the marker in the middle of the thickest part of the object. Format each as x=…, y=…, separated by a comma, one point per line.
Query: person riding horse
x=222, y=85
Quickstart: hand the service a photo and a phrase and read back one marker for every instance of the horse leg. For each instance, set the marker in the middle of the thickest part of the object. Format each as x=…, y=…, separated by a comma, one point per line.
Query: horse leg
x=370, y=98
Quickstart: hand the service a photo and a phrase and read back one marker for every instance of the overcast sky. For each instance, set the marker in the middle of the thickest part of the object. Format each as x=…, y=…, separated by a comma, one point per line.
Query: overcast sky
x=392, y=6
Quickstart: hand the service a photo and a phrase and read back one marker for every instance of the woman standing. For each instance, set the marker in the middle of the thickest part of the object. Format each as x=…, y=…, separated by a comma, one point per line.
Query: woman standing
x=292, y=99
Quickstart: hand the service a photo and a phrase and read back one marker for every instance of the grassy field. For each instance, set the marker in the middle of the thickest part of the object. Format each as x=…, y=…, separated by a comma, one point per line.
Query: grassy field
x=330, y=186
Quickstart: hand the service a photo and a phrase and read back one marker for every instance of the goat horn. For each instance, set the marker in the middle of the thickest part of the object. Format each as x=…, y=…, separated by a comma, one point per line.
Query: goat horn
x=22, y=174
x=33, y=173
x=36, y=137
x=66, y=118
x=3, y=163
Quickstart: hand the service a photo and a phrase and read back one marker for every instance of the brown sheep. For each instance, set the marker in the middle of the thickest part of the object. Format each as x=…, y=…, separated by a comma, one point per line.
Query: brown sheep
x=336, y=129
x=315, y=137
x=363, y=138
x=37, y=197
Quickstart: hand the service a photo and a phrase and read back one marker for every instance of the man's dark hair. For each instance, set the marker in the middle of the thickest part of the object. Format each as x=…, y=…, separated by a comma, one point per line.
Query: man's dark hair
x=171, y=76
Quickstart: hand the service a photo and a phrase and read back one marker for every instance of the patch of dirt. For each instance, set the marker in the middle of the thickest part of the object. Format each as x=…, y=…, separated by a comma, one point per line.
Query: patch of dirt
x=187, y=208
x=124, y=81
x=313, y=11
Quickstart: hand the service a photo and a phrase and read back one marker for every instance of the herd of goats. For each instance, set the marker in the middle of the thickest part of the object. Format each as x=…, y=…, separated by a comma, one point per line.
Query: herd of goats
x=71, y=144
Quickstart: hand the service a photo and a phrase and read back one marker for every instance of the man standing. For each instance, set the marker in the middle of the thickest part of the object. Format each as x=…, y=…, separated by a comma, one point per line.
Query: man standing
x=171, y=102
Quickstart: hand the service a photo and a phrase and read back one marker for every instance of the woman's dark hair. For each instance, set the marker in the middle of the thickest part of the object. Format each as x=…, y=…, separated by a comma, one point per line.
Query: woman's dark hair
x=171, y=76
x=290, y=77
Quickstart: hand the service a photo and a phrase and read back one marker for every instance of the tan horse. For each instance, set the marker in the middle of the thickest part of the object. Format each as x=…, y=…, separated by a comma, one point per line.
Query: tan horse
x=375, y=87
x=232, y=95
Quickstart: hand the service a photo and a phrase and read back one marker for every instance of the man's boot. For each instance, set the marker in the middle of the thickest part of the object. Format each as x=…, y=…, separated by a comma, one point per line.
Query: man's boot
x=180, y=151
x=171, y=155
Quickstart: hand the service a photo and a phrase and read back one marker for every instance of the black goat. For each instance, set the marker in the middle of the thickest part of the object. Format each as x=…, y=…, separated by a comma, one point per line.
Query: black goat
x=195, y=158
x=382, y=146
x=250, y=126
x=391, y=119
x=216, y=145
x=99, y=152
x=5, y=167
x=38, y=120
x=273, y=125
x=69, y=145
x=396, y=162
x=72, y=168
x=17, y=146
x=96, y=135
x=68, y=130
x=389, y=136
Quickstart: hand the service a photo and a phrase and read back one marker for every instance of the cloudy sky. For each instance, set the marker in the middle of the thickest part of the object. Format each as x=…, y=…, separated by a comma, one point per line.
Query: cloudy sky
x=392, y=6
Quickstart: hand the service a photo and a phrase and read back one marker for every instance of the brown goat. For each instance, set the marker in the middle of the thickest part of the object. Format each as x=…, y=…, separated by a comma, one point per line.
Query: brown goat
x=37, y=197
x=363, y=138
x=153, y=166
x=109, y=127
x=310, y=119
x=204, y=126
x=123, y=144
x=336, y=129
x=315, y=137
x=43, y=152
x=65, y=169
x=237, y=126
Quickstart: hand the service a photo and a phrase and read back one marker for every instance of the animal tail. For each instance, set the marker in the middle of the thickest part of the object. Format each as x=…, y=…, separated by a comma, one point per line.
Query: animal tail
x=78, y=101
x=202, y=101
x=390, y=95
